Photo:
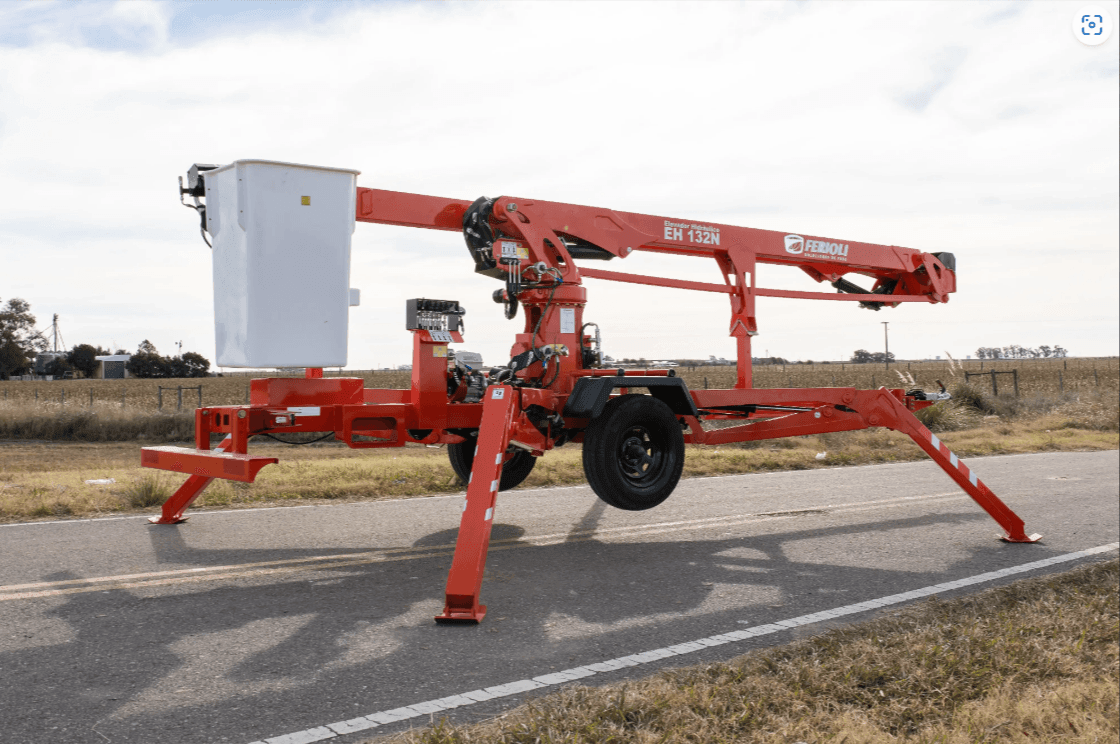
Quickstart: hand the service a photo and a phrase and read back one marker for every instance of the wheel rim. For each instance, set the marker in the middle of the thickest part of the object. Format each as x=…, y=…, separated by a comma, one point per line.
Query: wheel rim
x=640, y=456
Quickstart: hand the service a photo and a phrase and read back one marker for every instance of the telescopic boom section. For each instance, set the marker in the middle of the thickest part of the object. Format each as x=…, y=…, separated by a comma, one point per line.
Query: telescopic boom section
x=915, y=276
x=550, y=232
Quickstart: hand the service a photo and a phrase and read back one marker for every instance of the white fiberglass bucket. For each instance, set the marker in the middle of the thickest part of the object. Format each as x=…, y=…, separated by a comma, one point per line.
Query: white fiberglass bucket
x=281, y=235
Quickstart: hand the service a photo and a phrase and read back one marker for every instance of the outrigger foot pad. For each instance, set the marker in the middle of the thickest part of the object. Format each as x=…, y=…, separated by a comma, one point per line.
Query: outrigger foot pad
x=164, y=520
x=462, y=617
x=1026, y=539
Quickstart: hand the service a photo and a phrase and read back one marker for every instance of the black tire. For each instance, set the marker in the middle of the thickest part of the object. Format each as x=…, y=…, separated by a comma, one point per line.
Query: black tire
x=633, y=453
x=515, y=468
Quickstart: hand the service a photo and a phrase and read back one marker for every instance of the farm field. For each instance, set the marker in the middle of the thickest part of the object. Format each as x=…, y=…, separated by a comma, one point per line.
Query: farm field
x=144, y=395
x=1035, y=377
x=51, y=446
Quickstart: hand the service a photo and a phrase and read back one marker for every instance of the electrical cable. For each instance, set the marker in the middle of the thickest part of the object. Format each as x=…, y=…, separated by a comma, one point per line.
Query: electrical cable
x=200, y=209
x=536, y=328
x=551, y=293
x=284, y=441
x=555, y=375
x=547, y=305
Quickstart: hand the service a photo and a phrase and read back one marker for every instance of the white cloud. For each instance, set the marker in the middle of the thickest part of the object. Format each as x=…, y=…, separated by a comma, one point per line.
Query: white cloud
x=966, y=127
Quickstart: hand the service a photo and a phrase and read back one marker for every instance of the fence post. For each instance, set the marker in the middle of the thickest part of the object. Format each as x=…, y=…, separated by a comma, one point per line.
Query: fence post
x=159, y=397
x=63, y=396
x=91, y=397
x=1061, y=385
x=179, y=405
x=36, y=395
x=1096, y=380
x=200, y=396
x=1015, y=381
x=872, y=382
x=995, y=388
x=705, y=383
x=122, y=399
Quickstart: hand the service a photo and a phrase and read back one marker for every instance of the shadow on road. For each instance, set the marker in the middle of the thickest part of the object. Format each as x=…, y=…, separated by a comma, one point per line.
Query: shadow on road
x=270, y=653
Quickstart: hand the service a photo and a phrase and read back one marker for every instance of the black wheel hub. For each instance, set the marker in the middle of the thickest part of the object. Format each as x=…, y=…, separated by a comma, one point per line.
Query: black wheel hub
x=639, y=455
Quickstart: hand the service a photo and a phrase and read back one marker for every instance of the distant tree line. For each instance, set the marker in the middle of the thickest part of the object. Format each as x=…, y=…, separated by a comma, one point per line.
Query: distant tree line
x=1014, y=351
x=147, y=362
x=863, y=356
x=82, y=358
x=20, y=343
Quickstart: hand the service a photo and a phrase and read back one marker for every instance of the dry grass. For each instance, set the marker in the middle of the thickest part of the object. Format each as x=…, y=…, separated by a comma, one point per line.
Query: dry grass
x=970, y=406
x=1036, y=376
x=48, y=479
x=1035, y=661
x=151, y=489
x=143, y=395
x=102, y=422
x=126, y=410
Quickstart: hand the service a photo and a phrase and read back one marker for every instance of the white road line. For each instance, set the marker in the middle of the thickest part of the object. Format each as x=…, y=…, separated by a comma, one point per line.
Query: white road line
x=373, y=720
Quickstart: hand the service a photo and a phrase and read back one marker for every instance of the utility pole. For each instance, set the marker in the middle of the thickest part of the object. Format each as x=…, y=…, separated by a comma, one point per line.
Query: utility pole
x=886, y=348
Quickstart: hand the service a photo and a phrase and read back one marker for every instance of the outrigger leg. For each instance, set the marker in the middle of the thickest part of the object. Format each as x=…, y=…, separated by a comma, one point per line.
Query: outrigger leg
x=467, y=566
x=174, y=507
x=898, y=417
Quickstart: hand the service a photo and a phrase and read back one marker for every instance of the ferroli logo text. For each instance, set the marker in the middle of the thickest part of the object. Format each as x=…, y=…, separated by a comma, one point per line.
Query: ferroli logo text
x=797, y=245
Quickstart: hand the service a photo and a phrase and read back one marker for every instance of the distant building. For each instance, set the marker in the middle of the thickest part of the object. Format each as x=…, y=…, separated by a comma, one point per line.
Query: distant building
x=44, y=359
x=112, y=367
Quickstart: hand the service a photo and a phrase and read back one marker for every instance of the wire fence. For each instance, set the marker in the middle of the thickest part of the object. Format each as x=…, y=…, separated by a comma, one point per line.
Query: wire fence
x=1027, y=377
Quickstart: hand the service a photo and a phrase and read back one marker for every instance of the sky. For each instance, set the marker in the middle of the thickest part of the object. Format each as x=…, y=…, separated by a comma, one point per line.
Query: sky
x=983, y=129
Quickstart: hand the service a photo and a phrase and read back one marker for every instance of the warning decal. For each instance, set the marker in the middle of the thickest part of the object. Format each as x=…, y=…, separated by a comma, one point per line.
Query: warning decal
x=567, y=320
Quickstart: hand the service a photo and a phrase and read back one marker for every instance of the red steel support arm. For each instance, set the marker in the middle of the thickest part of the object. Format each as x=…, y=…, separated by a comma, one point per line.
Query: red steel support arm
x=464, y=581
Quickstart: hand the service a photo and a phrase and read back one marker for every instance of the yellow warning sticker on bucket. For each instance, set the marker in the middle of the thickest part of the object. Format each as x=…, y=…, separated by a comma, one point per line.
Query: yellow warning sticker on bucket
x=305, y=201
x=439, y=351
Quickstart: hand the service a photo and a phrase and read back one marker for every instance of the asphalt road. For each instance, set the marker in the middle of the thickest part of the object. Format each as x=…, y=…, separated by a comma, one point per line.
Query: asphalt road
x=241, y=626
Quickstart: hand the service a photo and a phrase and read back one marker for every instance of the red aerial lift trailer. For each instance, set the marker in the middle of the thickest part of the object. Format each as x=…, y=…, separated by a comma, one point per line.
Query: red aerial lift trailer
x=554, y=389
